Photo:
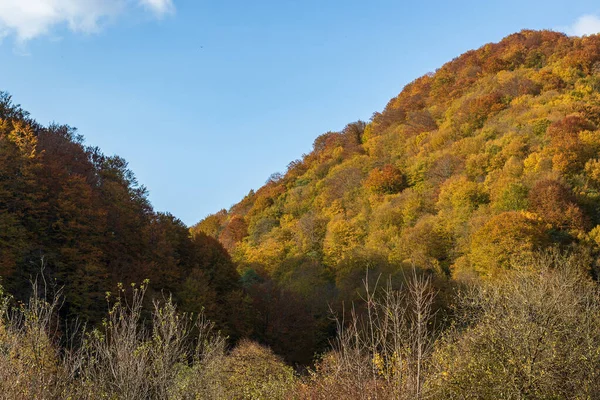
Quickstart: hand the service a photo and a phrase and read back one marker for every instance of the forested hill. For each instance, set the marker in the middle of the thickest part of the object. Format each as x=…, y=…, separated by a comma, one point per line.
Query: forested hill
x=474, y=194
x=494, y=155
x=79, y=221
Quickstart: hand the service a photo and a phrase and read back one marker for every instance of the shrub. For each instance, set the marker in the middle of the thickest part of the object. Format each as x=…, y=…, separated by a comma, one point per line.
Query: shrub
x=254, y=372
x=383, y=353
x=534, y=334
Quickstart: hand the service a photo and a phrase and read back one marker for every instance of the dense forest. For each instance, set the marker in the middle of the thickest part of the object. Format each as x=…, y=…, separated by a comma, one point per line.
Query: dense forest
x=494, y=155
x=447, y=248
x=80, y=220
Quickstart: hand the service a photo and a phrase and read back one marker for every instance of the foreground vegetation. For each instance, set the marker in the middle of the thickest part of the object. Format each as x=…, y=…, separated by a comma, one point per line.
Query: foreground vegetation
x=532, y=334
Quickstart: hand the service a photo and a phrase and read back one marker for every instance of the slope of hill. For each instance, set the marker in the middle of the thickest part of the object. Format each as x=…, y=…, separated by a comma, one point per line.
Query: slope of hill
x=493, y=156
x=484, y=176
x=79, y=221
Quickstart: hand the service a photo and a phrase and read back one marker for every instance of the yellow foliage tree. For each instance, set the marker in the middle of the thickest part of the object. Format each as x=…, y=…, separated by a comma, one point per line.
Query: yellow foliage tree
x=505, y=236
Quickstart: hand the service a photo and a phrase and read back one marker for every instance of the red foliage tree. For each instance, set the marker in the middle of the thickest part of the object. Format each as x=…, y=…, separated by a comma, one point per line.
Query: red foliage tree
x=555, y=203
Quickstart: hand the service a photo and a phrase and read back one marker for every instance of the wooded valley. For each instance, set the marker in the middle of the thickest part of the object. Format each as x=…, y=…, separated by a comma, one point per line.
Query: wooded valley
x=447, y=248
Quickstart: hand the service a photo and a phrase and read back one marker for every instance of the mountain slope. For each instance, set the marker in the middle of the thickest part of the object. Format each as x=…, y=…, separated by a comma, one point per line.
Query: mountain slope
x=493, y=156
x=78, y=222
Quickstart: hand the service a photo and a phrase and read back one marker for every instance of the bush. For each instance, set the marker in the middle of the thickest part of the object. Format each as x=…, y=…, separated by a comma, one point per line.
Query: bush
x=128, y=358
x=254, y=372
x=534, y=334
x=384, y=352
x=30, y=363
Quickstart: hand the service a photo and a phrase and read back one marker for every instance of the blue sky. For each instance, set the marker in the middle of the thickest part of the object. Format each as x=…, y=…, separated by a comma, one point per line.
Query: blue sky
x=206, y=99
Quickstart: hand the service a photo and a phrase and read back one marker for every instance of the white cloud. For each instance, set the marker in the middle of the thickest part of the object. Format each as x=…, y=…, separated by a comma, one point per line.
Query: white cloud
x=28, y=19
x=585, y=25
x=159, y=7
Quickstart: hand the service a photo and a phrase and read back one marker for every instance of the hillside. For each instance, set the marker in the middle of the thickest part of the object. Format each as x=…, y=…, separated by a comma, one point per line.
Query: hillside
x=78, y=220
x=494, y=156
x=446, y=249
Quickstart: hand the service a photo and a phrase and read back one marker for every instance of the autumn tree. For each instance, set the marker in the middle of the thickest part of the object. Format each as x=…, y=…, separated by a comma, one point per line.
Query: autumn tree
x=235, y=230
x=569, y=152
x=554, y=202
x=504, y=237
x=386, y=180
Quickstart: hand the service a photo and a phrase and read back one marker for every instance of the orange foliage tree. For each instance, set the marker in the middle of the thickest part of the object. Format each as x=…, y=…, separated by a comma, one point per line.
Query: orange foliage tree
x=386, y=180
